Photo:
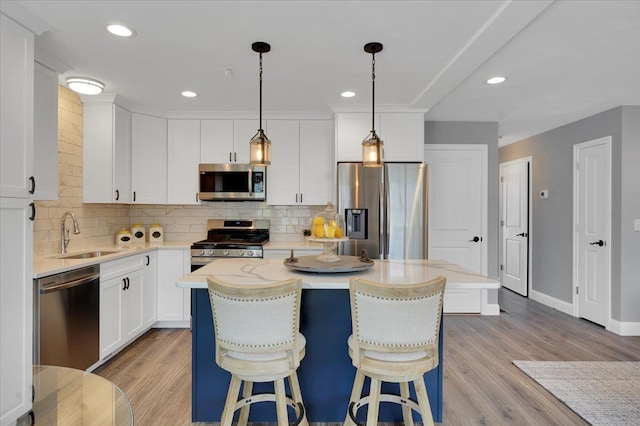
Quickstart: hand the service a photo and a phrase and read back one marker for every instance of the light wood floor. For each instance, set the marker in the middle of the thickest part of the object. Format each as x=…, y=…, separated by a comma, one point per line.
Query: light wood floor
x=481, y=385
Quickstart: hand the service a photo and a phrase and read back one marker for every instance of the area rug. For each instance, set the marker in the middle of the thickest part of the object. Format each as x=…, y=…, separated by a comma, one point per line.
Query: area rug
x=602, y=393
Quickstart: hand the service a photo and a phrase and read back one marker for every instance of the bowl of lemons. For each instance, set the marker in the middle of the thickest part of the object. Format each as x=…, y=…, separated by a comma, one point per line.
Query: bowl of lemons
x=327, y=227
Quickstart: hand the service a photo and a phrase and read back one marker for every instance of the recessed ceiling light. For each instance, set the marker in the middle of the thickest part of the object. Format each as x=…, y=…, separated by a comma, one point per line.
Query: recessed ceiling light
x=348, y=94
x=120, y=30
x=189, y=94
x=496, y=80
x=84, y=85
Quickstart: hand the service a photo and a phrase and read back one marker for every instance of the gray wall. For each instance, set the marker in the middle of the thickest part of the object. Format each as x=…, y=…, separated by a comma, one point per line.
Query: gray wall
x=630, y=210
x=482, y=133
x=551, y=237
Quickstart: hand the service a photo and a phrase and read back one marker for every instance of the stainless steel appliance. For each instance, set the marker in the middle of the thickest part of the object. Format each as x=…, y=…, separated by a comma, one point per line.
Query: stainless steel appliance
x=385, y=209
x=230, y=238
x=232, y=182
x=67, y=318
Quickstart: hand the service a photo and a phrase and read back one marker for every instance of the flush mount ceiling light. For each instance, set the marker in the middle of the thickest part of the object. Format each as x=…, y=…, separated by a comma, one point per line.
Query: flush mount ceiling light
x=189, y=94
x=260, y=145
x=496, y=80
x=84, y=85
x=372, y=146
x=120, y=30
x=348, y=94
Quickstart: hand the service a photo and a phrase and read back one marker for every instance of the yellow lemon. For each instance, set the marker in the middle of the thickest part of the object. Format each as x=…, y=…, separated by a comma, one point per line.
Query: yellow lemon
x=333, y=224
x=318, y=231
x=339, y=232
x=318, y=221
x=331, y=232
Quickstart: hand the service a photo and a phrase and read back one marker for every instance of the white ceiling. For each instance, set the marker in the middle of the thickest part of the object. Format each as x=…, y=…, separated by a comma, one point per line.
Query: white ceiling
x=564, y=60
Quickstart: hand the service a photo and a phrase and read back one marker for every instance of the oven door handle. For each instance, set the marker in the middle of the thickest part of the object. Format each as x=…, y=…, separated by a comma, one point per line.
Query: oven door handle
x=70, y=284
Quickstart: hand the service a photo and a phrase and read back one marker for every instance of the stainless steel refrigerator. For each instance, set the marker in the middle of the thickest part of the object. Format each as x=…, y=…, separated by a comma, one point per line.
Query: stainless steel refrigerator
x=385, y=210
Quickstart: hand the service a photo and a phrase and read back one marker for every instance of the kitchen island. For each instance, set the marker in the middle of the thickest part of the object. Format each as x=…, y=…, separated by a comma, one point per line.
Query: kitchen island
x=326, y=373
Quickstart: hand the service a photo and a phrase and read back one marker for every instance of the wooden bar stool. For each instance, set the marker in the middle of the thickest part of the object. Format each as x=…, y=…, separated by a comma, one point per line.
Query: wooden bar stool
x=395, y=339
x=257, y=340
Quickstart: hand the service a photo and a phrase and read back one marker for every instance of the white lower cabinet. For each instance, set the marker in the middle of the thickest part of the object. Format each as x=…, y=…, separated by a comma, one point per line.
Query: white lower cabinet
x=121, y=302
x=174, y=304
x=149, y=292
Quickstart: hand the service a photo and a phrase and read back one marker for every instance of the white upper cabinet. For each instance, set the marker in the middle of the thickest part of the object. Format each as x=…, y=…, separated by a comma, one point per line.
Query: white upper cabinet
x=243, y=131
x=351, y=130
x=301, y=170
x=148, y=159
x=402, y=133
x=317, y=166
x=45, y=133
x=226, y=141
x=183, y=157
x=403, y=136
x=16, y=110
x=216, y=141
x=106, y=151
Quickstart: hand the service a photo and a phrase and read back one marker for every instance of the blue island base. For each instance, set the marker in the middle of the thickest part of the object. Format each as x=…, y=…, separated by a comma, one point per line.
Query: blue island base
x=325, y=374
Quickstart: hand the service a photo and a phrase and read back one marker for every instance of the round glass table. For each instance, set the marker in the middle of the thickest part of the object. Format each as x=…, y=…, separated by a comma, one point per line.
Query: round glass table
x=66, y=396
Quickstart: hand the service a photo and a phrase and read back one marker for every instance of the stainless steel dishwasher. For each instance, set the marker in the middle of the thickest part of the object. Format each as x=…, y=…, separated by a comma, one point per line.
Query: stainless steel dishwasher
x=67, y=318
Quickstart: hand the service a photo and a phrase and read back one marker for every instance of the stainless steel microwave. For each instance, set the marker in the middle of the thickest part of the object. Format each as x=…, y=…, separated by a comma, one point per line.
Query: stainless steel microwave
x=232, y=182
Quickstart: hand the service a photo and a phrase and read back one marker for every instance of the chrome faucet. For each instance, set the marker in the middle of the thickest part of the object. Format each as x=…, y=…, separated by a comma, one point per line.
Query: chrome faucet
x=64, y=233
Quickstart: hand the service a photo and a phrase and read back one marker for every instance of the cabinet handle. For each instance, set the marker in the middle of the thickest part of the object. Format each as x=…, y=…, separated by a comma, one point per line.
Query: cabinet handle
x=148, y=260
x=117, y=195
x=33, y=211
x=32, y=180
x=197, y=199
x=134, y=196
x=301, y=197
x=296, y=197
x=124, y=284
x=235, y=157
x=229, y=156
x=128, y=282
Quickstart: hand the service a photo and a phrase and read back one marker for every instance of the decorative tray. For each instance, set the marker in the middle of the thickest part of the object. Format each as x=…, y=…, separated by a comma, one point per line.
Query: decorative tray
x=344, y=264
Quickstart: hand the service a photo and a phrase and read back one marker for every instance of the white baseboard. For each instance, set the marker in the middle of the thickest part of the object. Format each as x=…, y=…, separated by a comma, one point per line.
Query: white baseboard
x=552, y=302
x=491, y=309
x=172, y=324
x=624, y=328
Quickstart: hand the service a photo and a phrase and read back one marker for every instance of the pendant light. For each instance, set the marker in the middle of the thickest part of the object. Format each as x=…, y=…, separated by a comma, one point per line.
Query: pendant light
x=372, y=146
x=260, y=145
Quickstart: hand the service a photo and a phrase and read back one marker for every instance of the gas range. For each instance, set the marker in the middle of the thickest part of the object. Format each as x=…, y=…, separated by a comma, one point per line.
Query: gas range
x=230, y=238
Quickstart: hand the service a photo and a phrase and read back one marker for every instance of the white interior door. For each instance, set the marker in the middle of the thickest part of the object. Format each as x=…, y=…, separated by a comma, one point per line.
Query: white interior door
x=592, y=223
x=457, y=204
x=514, y=178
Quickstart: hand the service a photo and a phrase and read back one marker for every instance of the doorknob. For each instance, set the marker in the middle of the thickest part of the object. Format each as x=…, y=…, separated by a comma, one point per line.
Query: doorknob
x=475, y=239
x=522, y=234
x=599, y=243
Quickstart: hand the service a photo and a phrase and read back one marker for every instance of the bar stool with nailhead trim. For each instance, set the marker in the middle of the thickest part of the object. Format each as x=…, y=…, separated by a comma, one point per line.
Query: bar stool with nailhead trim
x=257, y=340
x=395, y=339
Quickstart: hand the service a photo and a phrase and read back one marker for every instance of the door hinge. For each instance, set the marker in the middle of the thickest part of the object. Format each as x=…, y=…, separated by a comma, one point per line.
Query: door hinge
x=502, y=267
x=502, y=223
x=577, y=290
x=501, y=178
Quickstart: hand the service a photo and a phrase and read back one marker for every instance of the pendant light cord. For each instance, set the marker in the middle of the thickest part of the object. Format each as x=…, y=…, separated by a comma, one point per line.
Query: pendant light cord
x=373, y=91
x=260, y=90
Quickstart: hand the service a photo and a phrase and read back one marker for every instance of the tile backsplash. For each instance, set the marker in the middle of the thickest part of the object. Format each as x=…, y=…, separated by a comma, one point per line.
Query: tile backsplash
x=100, y=222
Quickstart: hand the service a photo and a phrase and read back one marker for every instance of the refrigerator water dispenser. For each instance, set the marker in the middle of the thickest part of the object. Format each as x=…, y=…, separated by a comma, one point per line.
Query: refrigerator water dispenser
x=356, y=223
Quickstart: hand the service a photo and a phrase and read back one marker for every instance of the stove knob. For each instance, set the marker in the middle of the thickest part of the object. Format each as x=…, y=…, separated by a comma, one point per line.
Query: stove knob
x=210, y=252
x=225, y=252
x=249, y=253
x=201, y=253
x=241, y=252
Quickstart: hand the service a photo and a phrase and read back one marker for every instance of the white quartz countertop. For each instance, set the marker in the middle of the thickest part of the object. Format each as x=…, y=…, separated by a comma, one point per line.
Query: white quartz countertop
x=53, y=264
x=263, y=271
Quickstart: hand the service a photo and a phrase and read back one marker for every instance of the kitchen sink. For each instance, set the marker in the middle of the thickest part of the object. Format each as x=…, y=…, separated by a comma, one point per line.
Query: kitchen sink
x=86, y=255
